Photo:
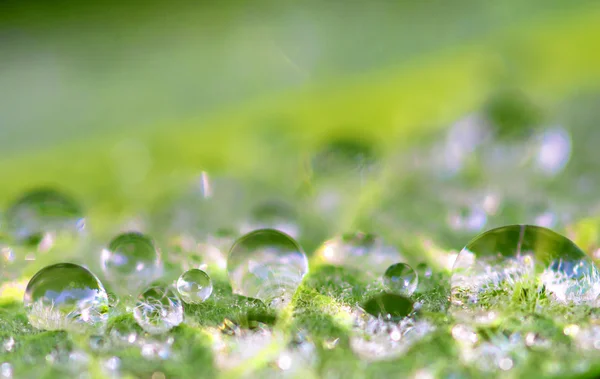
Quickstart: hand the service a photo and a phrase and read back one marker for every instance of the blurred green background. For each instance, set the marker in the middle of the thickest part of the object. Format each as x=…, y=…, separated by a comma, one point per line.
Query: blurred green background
x=117, y=102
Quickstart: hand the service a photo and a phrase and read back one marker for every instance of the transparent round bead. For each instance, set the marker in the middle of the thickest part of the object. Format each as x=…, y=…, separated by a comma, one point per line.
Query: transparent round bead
x=43, y=215
x=131, y=261
x=501, y=259
x=400, y=279
x=158, y=310
x=268, y=265
x=360, y=251
x=194, y=286
x=65, y=296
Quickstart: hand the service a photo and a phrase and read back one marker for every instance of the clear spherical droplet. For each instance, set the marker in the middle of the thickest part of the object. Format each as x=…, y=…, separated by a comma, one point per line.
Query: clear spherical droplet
x=158, y=310
x=43, y=214
x=360, y=251
x=401, y=279
x=131, y=261
x=268, y=265
x=65, y=296
x=194, y=286
x=522, y=256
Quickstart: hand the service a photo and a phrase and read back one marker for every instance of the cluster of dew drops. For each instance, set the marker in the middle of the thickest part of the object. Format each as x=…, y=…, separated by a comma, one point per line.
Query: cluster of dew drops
x=265, y=262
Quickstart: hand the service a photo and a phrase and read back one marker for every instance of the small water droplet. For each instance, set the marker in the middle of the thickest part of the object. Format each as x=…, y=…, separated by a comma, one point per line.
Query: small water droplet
x=268, y=265
x=401, y=279
x=360, y=251
x=158, y=310
x=194, y=286
x=523, y=256
x=65, y=296
x=43, y=212
x=131, y=261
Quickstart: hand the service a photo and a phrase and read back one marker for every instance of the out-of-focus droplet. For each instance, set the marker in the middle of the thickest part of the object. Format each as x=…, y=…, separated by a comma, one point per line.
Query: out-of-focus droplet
x=131, y=261
x=501, y=259
x=43, y=219
x=158, y=310
x=554, y=151
x=273, y=215
x=194, y=286
x=471, y=218
x=43, y=214
x=268, y=265
x=360, y=251
x=401, y=279
x=338, y=173
x=65, y=296
x=211, y=203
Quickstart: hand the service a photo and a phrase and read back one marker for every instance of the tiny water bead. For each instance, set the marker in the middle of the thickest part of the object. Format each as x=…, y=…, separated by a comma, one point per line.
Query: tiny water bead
x=43, y=214
x=360, y=251
x=401, y=279
x=194, y=286
x=65, y=296
x=268, y=265
x=158, y=310
x=523, y=256
x=130, y=261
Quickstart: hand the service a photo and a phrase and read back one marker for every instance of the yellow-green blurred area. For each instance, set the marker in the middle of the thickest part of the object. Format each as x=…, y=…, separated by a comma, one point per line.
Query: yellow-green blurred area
x=118, y=101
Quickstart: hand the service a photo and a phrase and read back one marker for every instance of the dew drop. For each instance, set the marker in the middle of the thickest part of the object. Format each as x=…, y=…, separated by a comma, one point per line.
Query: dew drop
x=360, y=251
x=401, y=279
x=276, y=215
x=158, y=310
x=268, y=265
x=522, y=256
x=65, y=296
x=194, y=286
x=131, y=261
x=42, y=215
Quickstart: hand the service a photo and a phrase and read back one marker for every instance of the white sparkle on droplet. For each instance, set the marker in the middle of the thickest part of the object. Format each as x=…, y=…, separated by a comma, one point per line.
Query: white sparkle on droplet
x=284, y=362
x=9, y=344
x=505, y=364
x=395, y=335
x=530, y=339
x=571, y=330
x=6, y=370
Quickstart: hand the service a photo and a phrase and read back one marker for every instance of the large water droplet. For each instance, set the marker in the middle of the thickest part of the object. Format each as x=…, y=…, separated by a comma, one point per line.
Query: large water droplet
x=401, y=279
x=522, y=255
x=158, y=310
x=194, y=286
x=44, y=214
x=131, y=261
x=65, y=296
x=361, y=251
x=268, y=265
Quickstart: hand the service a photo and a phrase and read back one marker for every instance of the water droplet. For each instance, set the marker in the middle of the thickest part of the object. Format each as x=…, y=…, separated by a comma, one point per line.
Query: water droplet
x=273, y=215
x=6, y=370
x=401, y=279
x=268, y=265
x=194, y=286
x=522, y=256
x=65, y=296
x=131, y=261
x=40, y=214
x=360, y=251
x=554, y=151
x=158, y=310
